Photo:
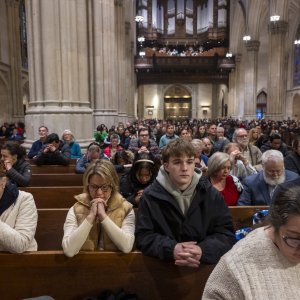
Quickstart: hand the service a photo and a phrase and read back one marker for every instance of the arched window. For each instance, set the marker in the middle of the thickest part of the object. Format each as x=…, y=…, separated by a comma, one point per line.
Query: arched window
x=296, y=69
x=261, y=105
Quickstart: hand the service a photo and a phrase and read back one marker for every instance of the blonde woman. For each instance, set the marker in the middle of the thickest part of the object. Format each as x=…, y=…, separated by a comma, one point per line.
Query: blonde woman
x=101, y=219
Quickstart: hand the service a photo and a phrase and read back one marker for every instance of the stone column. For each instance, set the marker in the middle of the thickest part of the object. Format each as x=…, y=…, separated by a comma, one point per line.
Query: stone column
x=276, y=88
x=58, y=68
x=13, y=27
x=233, y=99
x=251, y=79
x=104, y=58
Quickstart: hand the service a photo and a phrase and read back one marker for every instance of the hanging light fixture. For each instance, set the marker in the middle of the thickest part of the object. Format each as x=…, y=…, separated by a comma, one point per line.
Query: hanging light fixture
x=274, y=18
x=139, y=19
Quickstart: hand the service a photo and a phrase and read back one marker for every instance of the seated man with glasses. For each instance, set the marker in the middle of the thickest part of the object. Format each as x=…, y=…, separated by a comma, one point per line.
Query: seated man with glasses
x=143, y=144
x=101, y=219
x=259, y=188
x=250, y=152
x=265, y=264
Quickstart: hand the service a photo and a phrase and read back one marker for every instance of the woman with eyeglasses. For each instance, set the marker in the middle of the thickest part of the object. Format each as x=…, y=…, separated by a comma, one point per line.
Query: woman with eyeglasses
x=101, y=219
x=265, y=264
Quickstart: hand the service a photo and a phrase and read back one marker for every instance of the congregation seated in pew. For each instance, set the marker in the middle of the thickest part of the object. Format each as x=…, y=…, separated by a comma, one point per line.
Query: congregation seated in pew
x=101, y=219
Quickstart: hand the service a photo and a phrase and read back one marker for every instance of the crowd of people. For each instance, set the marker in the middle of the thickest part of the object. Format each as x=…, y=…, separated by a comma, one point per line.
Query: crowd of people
x=180, y=178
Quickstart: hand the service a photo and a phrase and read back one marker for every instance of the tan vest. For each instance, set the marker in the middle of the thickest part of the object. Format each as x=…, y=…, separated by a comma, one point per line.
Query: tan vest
x=117, y=210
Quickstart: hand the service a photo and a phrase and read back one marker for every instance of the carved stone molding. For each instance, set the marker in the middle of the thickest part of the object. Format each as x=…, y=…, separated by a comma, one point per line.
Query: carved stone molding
x=278, y=27
x=252, y=45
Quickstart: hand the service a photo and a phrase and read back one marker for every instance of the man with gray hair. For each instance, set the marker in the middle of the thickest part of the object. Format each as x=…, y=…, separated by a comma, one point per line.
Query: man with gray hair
x=250, y=152
x=259, y=188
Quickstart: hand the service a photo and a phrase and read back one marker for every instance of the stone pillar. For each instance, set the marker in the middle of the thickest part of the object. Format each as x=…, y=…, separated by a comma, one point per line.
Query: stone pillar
x=104, y=62
x=251, y=79
x=233, y=100
x=276, y=88
x=13, y=27
x=215, y=101
x=58, y=68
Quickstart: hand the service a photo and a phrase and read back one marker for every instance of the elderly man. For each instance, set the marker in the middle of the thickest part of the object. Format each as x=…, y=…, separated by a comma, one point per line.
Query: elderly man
x=250, y=152
x=259, y=188
x=143, y=144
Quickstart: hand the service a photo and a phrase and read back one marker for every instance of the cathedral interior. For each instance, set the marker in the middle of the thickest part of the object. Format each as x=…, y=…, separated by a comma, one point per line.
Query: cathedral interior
x=77, y=64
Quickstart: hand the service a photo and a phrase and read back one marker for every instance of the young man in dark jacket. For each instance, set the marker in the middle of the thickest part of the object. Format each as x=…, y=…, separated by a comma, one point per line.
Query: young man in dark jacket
x=54, y=152
x=181, y=217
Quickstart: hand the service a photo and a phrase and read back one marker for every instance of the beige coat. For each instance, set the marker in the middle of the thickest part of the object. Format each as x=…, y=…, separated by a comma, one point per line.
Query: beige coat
x=18, y=225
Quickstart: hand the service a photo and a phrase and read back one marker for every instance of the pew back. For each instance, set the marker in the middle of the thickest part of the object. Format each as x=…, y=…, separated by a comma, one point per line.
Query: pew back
x=49, y=231
x=62, y=179
x=54, y=196
x=89, y=273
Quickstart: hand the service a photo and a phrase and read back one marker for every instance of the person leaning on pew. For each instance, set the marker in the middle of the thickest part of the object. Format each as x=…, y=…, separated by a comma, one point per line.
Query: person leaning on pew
x=266, y=263
x=181, y=217
x=18, y=217
x=54, y=152
x=101, y=219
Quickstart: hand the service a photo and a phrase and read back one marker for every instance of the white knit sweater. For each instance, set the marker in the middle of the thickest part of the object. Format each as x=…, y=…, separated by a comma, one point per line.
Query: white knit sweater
x=254, y=269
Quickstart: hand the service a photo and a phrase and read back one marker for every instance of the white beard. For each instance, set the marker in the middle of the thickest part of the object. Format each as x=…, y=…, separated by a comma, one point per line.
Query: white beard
x=274, y=181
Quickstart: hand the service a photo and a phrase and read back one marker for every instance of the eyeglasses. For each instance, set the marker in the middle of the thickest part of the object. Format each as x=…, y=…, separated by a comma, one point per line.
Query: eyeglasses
x=104, y=188
x=144, y=135
x=291, y=242
x=242, y=136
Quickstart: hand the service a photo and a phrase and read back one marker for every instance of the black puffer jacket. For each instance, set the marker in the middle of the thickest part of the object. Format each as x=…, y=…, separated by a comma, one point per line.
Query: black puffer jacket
x=161, y=224
x=20, y=173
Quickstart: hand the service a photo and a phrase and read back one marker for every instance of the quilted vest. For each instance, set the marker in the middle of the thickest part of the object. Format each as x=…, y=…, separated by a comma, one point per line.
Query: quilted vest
x=117, y=210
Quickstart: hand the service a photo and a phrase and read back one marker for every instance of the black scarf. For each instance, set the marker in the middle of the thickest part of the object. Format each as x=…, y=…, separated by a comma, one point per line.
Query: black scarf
x=9, y=196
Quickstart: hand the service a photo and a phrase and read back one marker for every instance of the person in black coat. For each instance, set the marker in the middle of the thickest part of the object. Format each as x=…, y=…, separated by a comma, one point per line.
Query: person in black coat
x=292, y=160
x=18, y=170
x=54, y=152
x=135, y=180
x=181, y=217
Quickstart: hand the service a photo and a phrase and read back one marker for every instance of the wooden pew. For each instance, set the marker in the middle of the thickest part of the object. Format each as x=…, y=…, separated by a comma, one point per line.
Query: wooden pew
x=72, y=161
x=89, y=273
x=63, y=179
x=242, y=215
x=52, y=169
x=54, y=196
x=49, y=231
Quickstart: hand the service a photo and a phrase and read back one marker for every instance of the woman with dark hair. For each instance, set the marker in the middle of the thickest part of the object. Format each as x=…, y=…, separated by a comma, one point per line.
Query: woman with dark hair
x=141, y=175
x=18, y=170
x=292, y=160
x=265, y=264
x=122, y=160
x=101, y=219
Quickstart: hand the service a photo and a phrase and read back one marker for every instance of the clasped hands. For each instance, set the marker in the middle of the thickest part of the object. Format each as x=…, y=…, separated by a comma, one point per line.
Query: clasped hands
x=187, y=254
x=98, y=210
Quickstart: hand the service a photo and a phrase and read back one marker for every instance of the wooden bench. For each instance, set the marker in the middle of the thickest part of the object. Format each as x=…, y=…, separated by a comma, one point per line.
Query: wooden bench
x=89, y=273
x=242, y=215
x=63, y=179
x=52, y=169
x=72, y=161
x=49, y=231
x=54, y=196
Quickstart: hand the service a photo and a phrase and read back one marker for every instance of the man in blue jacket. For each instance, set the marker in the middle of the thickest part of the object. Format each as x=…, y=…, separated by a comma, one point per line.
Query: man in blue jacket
x=259, y=188
x=181, y=217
